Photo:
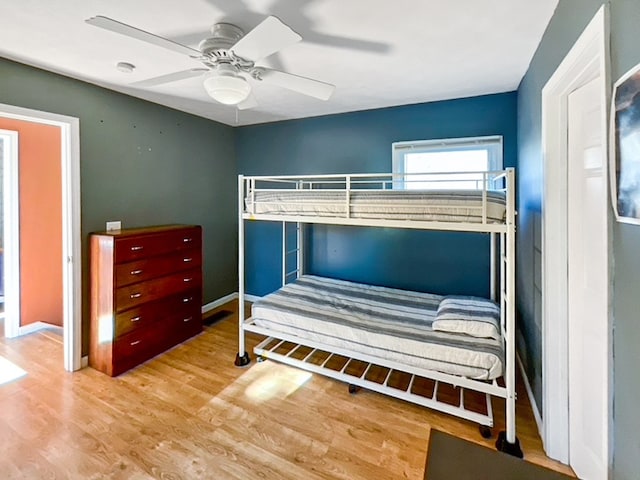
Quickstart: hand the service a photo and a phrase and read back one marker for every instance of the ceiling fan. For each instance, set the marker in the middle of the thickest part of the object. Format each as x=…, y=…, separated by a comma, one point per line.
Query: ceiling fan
x=230, y=59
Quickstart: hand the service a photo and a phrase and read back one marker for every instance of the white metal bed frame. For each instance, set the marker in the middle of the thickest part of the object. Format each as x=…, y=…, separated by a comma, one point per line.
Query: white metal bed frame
x=502, y=286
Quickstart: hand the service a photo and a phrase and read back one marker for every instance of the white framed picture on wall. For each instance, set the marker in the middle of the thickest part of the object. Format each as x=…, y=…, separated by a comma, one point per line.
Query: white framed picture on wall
x=625, y=130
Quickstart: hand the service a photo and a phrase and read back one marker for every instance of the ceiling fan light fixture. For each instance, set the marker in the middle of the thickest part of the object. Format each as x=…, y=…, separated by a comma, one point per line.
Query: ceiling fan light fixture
x=226, y=87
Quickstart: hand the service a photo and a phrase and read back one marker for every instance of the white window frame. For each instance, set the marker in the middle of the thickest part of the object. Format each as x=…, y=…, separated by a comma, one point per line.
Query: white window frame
x=493, y=144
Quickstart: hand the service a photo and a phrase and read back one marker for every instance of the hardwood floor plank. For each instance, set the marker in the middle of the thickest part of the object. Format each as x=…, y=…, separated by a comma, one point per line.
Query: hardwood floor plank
x=191, y=414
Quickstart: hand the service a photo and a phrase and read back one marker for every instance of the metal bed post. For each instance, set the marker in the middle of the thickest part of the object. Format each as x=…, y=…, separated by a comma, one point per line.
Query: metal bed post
x=242, y=357
x=494, y=273
x=507, y=441
x=300, y=245
x=492, y=239
x=299, y=241
x=284, y=253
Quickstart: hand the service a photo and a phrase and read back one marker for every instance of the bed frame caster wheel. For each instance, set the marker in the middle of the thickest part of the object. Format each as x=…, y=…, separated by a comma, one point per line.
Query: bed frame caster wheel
x=353, y=389
x=485, y=431
x=260, y=359
x=242, y=360
x=511, y=448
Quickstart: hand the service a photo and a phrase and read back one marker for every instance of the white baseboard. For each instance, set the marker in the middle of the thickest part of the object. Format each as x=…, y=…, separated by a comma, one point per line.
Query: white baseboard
x=84, y=361
x=227, y=298
x=34, y=327
x=219, y=302
x=532, y=400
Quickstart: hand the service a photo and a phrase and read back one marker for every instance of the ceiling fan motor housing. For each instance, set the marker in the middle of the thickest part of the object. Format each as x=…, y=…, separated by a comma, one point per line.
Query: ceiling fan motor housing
x=223, y=37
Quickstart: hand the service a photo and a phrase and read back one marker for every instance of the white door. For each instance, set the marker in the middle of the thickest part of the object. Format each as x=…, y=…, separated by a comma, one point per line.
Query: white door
x=588, y=284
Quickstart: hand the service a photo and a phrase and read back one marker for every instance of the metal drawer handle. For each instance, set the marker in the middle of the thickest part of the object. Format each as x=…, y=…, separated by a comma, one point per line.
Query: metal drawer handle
x=136, y=272
x=185, y=320
x=133, y=344
x=135, y=319
x=135, y=295
x=187, y=279
x=187, y=260
x=135, y=248
x=187, y=299
x=187, y=239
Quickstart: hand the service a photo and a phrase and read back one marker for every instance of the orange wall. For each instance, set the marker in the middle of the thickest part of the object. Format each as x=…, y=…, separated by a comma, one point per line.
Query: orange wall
x=40, y=221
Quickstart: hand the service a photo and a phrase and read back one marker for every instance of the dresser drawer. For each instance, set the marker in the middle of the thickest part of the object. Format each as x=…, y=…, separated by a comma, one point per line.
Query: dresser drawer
x=142, y=344
x=141, y=270
x=152, y=290
x=128, y=249
x=138, y=343
x=137, y=347
x=187, y=323
x=150, y=314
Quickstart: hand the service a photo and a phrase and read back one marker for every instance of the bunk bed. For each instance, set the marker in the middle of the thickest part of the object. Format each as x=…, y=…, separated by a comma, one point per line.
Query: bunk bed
x=464, y=342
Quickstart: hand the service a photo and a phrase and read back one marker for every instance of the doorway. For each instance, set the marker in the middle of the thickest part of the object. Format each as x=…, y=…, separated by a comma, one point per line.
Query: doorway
x=10, y=231
x=71, y=237
x=577, y=352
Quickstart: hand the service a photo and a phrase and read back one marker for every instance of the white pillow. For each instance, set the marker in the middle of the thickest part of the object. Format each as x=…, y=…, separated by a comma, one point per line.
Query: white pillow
x=473, y=316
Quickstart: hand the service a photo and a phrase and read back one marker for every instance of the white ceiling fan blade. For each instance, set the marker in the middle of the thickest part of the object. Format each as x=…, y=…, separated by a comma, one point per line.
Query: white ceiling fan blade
x=249, y=102
x=129, y=31
x=306, y=86
x=265, y=39
x=170, y=77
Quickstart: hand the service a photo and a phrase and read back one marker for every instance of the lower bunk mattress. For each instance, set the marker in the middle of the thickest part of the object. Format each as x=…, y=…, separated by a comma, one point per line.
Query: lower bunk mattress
x=383, y=322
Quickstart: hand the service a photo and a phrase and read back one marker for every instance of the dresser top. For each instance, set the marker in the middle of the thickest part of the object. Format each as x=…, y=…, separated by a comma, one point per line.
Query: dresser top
x=125, y=232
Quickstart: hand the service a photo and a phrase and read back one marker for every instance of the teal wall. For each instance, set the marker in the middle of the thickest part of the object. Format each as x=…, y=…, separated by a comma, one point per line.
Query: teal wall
x=438, y=262
x=147, y=164
x=570, y=18
x=143, y=164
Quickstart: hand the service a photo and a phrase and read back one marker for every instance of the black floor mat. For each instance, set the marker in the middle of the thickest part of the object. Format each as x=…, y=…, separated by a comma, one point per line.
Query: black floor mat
x=452, y=458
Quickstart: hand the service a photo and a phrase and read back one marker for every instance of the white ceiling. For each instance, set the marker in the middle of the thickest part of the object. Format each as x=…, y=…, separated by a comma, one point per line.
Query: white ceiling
x=378, y=53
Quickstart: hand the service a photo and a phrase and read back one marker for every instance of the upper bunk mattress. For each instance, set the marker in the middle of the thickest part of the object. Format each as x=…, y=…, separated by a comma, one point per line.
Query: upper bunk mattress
x=434, y=205
x=383, y=322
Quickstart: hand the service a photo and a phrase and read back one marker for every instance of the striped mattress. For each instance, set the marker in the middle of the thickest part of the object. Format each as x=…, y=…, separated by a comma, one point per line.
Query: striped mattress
x=383, y=322
x=435, y=205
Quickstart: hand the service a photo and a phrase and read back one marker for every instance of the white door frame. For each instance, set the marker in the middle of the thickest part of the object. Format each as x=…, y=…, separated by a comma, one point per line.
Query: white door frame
x=587, y=60
x=71, y=236
x=11, y=230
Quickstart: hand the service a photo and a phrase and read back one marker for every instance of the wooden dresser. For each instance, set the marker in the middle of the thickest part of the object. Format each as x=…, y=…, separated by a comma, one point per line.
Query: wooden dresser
x=146, y=293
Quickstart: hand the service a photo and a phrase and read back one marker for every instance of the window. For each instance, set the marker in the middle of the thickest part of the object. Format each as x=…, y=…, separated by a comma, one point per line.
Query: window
x=434, y=164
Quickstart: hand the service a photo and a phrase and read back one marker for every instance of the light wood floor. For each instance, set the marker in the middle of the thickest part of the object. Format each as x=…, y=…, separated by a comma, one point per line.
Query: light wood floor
x=190, y=414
